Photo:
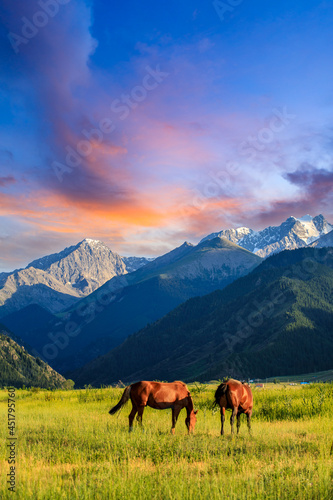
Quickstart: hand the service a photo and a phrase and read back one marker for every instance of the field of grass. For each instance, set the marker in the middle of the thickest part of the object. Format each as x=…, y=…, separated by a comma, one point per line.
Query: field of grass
x=69, y=447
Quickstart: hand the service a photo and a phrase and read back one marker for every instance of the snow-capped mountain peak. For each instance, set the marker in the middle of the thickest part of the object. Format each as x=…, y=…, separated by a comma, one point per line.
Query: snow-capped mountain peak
x=234, y=235
x=85, y=266
x=92, y=242
x=292, y=233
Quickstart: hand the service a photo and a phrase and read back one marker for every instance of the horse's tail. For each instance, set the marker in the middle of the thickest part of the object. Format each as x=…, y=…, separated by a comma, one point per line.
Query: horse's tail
x=220, y=391
x=124, y=398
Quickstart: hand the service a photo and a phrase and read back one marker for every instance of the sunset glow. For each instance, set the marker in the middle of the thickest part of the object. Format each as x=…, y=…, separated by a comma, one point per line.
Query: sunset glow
x=145, y=126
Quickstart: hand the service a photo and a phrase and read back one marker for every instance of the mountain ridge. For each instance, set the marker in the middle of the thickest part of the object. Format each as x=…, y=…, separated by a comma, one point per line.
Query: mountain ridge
x=276, y=320
x=290, y=234
x=57, y=281
x=103, y=317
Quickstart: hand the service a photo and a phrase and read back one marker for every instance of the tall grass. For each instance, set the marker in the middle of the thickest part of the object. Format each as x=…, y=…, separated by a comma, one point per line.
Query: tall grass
x=70, y=447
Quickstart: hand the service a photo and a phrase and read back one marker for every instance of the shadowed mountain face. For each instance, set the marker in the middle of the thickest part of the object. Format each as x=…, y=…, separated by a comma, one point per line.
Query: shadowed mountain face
x=29, y=323
x=324, y=241
x=291, y=234
x=276, y=320
x=127, y=303
x=34, y=286
x=18, y=367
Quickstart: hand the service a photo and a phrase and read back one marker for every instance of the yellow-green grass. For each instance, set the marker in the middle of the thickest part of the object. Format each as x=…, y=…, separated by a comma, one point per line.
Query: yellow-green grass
x=69, y=447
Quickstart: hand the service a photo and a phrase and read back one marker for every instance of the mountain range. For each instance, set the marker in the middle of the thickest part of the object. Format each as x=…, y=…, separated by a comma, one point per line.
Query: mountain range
x=291, y=234
x=56, y=282
x=103, y=298
x=277, y=320
x=108, y=315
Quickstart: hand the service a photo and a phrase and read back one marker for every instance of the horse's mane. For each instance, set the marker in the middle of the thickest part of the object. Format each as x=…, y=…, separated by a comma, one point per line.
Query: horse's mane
x=221, y=391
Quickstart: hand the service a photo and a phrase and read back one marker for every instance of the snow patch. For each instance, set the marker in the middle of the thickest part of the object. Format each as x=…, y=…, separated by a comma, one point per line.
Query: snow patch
x=306, y=218
x=91, y=242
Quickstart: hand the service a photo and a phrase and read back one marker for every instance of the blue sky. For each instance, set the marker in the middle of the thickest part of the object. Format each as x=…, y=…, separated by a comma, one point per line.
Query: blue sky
x=206, y=123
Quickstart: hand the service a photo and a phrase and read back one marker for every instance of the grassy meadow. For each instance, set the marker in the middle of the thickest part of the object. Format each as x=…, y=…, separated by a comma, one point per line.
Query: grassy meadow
x=69, y=447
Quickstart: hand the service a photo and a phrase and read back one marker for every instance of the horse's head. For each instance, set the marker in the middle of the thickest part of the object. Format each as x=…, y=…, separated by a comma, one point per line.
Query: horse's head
x=190, y=421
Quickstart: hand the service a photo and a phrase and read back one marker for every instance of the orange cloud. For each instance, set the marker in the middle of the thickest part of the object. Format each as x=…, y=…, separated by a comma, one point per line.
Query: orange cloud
x=202, y=215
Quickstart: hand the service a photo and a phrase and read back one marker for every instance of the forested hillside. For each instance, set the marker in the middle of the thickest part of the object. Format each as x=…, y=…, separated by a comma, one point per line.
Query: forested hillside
x=18, y=367
x=275, y=321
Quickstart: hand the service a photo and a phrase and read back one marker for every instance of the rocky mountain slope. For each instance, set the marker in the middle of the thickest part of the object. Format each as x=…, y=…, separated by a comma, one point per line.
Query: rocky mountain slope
x=276, y=320
x=291, y=234
x=34, y=286
x=83, y=267
x=18, y=367
x=57, y=281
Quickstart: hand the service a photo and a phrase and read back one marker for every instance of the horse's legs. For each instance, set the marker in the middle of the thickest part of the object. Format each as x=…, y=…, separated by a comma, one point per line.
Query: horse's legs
x=175, y=413
x=222, y=419
x=131, y=417
x=139, y=415
x=238, y=422
x=249, y=415
x=232, y=419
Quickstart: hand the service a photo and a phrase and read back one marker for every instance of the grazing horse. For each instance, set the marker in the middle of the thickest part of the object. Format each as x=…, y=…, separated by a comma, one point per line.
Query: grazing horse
x=236, y=396
x=158, y=395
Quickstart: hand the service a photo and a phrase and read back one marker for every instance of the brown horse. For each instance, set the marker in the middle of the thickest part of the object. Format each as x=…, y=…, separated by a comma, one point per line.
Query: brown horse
x=158, y=395
x=236, y=396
